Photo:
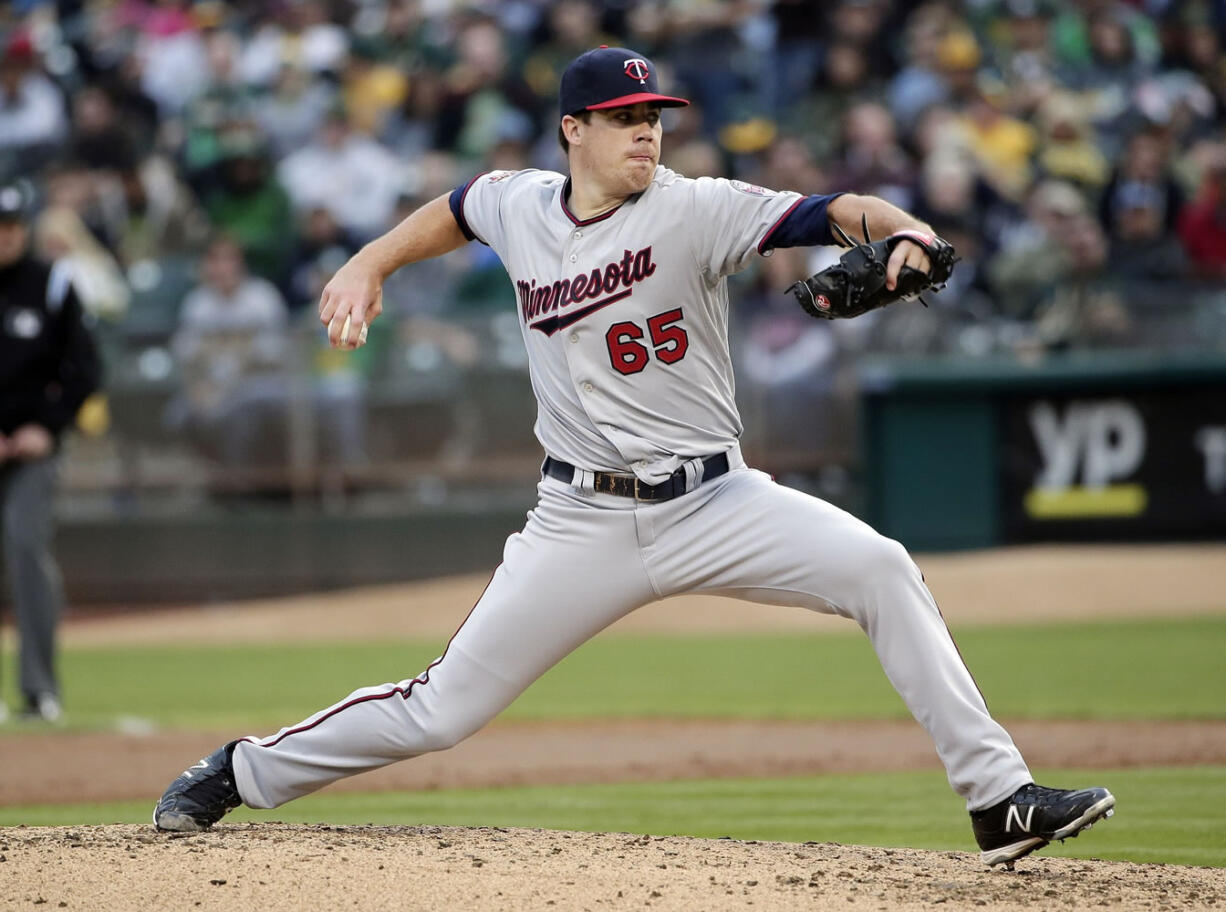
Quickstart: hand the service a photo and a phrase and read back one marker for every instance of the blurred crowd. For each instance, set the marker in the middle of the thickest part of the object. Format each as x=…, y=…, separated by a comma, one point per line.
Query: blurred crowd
x=205, y=166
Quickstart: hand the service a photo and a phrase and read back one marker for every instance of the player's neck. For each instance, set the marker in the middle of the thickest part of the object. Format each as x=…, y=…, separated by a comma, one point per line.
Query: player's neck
x=587, y=199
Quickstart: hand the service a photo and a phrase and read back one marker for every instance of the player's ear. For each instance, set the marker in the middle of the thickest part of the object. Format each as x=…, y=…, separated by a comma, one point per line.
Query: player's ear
x=571, y=127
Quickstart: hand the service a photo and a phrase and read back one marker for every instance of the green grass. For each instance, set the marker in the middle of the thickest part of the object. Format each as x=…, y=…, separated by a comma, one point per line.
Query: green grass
x=1121, y=670
x=1173, y=816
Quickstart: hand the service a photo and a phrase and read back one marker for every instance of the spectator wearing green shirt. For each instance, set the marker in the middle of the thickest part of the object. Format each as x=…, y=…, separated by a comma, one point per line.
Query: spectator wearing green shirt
x=249, y=204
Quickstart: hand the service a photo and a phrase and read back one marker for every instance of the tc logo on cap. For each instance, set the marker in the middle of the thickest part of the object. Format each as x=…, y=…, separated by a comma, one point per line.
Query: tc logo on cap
x=636, y=68
x=596, y=80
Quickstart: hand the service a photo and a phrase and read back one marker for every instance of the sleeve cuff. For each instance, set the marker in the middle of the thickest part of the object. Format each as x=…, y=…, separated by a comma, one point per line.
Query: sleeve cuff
x=456, y=201
x=805, y=224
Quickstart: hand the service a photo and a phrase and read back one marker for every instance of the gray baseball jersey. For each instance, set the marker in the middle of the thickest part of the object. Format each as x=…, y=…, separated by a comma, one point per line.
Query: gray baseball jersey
x=609, y=304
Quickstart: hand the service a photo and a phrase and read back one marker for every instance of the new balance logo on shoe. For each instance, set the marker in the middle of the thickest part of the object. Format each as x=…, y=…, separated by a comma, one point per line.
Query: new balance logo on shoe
x=1014, y=815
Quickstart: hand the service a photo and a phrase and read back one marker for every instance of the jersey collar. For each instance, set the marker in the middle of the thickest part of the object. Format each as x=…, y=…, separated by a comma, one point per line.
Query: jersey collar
x=574, y=218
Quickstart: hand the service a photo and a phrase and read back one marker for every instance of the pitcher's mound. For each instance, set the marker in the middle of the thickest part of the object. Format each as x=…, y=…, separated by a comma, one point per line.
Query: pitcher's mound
x=271, y=867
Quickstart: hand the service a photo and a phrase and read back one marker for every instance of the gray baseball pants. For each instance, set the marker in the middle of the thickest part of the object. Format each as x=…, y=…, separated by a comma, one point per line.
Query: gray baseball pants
x=586, y=559
x=27, y=494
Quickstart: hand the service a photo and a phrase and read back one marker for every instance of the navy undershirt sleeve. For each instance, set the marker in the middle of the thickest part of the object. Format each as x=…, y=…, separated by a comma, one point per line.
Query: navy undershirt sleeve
x=804, y=225
x=456, y=201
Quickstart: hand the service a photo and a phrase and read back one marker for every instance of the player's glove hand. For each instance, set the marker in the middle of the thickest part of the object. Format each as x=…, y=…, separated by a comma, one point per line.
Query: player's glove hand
x=856, y=283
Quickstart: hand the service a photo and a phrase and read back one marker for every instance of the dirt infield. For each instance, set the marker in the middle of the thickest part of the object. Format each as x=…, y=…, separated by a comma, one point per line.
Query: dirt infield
x=277, y=867
x=280, y=867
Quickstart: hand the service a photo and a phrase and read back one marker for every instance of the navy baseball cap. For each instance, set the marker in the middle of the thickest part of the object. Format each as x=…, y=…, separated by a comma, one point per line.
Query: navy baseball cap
x=610, y=78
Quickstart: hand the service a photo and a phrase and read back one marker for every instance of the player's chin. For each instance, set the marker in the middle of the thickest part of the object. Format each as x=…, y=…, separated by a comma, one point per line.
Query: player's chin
x=639, y=172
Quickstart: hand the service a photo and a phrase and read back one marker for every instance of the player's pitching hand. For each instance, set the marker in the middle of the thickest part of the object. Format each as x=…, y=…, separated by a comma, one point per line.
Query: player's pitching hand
x=350, y=303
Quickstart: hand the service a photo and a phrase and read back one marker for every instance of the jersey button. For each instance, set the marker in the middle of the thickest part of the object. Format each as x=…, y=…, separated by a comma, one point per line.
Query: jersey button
x=573, y=258
x=587, y=387
x=578, y=234
x=574, y=337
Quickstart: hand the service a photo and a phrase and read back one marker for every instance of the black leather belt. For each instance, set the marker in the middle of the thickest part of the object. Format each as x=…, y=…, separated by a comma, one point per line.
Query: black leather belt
x=631, y=486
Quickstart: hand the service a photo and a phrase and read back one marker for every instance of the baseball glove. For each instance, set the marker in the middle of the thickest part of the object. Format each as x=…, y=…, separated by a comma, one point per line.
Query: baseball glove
x=856, y=283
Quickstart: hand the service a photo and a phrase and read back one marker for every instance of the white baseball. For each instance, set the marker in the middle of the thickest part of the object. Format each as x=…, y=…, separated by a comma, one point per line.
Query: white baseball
x=345, y=330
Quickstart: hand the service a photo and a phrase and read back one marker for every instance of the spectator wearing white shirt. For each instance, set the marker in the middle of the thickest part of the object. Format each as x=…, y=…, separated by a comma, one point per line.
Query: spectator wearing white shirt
x=352, y=176
x=33, y=119
x=232, y=348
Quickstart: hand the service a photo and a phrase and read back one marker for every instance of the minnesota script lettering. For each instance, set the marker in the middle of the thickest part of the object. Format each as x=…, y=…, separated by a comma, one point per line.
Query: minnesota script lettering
x=554, y=301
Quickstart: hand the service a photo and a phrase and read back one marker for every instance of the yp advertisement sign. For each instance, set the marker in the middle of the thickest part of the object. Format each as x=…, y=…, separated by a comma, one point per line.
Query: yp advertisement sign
x=1145, y=465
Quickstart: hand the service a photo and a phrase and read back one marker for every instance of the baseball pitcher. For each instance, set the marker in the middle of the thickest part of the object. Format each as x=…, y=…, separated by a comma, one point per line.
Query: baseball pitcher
x=620, y=273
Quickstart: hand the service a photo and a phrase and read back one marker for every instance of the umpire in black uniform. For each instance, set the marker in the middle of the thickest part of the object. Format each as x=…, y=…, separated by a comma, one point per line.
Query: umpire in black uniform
x=48, y=367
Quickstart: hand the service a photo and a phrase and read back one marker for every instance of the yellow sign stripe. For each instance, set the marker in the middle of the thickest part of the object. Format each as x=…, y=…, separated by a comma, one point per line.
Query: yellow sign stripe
x=1086, y=503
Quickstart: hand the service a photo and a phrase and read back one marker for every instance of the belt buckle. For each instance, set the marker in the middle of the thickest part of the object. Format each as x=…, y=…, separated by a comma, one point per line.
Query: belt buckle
x=637, y=484
x=617, y=485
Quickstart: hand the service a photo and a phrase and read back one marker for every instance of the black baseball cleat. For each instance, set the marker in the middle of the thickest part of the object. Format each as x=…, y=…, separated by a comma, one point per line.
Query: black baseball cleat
x=200, y=796
x=1034, y=816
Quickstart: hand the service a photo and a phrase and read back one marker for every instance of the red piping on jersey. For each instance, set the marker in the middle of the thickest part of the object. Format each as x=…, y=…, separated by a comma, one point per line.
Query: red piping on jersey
x=397, y=690
x=578, y=221
x=765, y=242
